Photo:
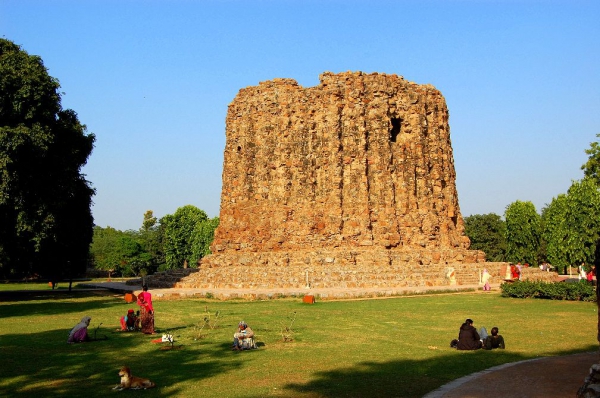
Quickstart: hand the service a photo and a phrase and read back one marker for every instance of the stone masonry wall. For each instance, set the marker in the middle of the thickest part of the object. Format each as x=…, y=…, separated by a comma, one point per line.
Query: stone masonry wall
x=355, y=172
x=359, y=160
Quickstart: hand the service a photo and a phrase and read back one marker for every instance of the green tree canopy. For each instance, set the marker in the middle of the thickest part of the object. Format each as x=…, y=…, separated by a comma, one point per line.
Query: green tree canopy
x=149, y=237
x=555, y=231
x=583, y=218
x=45, y=217
x=487, y=232
x=571, y=225
x=591, y=168
x=203, y=235
x=522, y=232
x=178, y=235
x=117, y=251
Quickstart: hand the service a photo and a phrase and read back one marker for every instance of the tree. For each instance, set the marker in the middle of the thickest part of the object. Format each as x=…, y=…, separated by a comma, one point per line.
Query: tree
x=45, y=217
x=591, y=168
x=555, y=231
x=571, y=225
x=150, y=239
x=487, y=232
x=117, y=252
x=203, y=235
x=178, y=235
x=583, y=218
x=522, y=232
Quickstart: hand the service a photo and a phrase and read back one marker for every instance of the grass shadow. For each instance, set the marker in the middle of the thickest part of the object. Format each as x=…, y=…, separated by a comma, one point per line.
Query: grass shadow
x=91, y=369
x=56, y=294
x=380, y=379
x=55, y=307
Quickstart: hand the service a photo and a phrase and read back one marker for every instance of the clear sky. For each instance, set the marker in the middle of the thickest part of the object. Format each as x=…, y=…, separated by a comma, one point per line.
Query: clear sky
x=152, y=80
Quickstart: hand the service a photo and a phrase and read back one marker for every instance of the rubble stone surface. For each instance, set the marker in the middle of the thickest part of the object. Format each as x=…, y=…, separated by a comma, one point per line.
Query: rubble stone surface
x=355, y=175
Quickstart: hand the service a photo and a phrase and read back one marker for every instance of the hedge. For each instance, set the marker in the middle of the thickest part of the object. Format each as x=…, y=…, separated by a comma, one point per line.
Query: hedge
x=579, y=291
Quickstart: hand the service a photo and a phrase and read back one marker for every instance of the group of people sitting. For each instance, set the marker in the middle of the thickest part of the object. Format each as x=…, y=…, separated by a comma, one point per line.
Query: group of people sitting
x=131, y=322
x=470, y=339
x=243, y=339
x=142, y=320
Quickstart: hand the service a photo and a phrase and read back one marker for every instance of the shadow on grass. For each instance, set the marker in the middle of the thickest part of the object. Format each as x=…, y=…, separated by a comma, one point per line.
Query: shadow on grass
x=44, y=365
x=56, y=294
x=54, y=306
x=419, y=377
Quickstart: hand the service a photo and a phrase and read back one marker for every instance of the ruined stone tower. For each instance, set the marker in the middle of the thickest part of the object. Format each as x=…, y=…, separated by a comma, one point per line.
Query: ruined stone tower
x=353, y=175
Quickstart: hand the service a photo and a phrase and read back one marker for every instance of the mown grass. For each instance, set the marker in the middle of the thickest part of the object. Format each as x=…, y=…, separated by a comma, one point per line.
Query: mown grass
x=362, y=348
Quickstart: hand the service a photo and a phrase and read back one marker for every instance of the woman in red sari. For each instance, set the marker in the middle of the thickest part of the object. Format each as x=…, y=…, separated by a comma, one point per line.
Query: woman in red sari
x=144, y=300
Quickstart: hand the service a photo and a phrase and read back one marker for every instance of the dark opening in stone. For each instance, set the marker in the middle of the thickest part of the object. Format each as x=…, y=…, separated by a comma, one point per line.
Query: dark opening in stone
x=395, y=130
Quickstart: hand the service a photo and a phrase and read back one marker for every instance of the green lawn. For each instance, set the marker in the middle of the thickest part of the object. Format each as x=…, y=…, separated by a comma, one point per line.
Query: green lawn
x=364, y=348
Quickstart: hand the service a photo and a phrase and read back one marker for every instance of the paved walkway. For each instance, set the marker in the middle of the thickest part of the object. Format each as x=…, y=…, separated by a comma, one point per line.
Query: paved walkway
x=555, y=377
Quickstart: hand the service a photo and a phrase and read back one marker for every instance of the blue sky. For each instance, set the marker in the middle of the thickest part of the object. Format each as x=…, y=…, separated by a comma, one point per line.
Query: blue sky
x=152, y=80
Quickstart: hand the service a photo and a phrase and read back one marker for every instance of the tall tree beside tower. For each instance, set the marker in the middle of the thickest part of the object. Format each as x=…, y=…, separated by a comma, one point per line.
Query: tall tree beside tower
x=45, y=217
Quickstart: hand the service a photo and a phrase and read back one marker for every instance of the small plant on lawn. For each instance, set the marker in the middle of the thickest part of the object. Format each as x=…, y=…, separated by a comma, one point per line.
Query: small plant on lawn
x=95, y=337
x=287, y=333
x=198, y=329
x=209, y=322
x=212, y=323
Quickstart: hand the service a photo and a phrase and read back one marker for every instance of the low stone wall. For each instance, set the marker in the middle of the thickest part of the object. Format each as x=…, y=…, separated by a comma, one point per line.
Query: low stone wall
x=536, y=274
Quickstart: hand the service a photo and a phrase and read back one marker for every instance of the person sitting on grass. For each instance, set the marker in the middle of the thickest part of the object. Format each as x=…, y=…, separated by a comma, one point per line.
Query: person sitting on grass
x=243, y=339
x=468, y=338
x=130, y=322
x=79, y=332
x=494, y=341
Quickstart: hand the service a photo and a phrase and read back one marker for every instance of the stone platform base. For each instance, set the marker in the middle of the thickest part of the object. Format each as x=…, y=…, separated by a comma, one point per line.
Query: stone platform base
x=332, y=273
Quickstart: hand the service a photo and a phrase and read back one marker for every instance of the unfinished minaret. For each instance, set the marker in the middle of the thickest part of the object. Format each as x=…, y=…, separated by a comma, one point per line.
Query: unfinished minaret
x=355, y=173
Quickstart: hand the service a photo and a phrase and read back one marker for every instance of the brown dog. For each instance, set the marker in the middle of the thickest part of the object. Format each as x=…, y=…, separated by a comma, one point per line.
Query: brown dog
x=131, y=382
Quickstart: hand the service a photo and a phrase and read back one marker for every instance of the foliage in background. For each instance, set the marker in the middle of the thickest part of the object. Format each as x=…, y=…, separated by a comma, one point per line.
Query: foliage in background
x=579, y=291
x=487, y=232
x=571, y=225
x=179, y=234
x=555, y=232
x=117, y=252
x=185, y=235
x=583, y=218
x=202, y=237
x=149, y=237
x=522, y=233
x=45, y=217
x=591, y=168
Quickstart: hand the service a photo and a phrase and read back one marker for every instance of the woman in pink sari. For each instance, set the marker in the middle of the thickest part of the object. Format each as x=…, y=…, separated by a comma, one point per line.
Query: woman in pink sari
x=144, y=300
x=79, y=332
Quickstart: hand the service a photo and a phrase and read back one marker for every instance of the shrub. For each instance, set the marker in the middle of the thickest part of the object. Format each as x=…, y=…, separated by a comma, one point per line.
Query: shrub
x=580, y=291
